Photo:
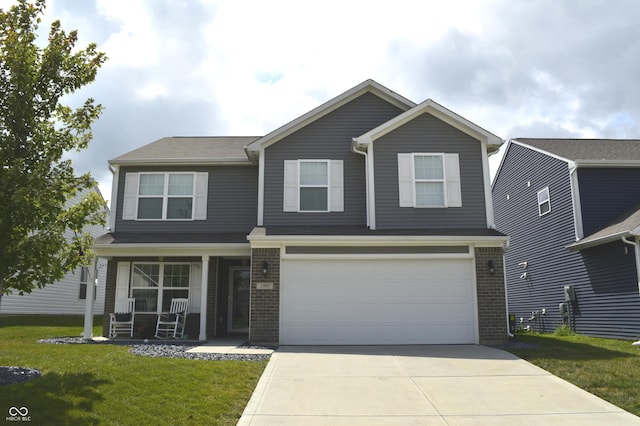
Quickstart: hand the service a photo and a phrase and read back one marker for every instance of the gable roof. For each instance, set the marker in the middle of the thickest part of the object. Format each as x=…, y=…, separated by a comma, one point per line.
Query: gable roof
x=588, y=152
x=189, y=150
x=368, y=86
x=627, y=225
x=431, y=107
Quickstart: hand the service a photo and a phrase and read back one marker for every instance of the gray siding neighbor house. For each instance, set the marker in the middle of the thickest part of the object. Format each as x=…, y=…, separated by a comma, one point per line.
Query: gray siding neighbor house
x=571, y=208
x=367, y=220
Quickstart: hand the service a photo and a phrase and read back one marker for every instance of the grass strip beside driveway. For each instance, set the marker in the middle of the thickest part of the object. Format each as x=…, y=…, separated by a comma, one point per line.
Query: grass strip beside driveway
x=105, y=384
x=607, y=368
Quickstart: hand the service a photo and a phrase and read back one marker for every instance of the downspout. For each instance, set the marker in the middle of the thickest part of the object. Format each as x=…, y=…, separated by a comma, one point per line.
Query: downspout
x=636, y=247
x=506, y=296
x=355, y=149
x=115, y=171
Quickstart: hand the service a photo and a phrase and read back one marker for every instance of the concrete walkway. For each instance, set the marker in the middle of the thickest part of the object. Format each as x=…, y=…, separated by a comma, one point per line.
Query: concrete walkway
x=422, y=385
x=229, y=345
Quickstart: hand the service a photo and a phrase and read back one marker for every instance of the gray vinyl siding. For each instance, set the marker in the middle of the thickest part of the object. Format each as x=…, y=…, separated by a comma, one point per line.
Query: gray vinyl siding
x=603, y=277
x=609, y=305
x=232, y=202
x=427, y=134
x=606, y=193
x=538, y=240
x=326, y=138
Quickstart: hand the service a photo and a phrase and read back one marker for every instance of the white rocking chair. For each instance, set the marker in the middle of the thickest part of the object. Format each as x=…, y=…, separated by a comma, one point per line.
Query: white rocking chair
x=171, y=324
x=121, y=320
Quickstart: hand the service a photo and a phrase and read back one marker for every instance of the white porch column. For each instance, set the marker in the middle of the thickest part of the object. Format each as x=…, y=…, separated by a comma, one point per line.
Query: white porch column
x=203, y=298
x=92, y=280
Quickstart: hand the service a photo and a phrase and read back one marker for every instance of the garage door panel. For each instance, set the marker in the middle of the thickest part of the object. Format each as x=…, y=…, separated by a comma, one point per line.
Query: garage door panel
x=386, y=302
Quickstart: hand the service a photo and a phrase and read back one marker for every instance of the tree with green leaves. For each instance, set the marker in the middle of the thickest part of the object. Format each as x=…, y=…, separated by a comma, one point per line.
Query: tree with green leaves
x=42, y=234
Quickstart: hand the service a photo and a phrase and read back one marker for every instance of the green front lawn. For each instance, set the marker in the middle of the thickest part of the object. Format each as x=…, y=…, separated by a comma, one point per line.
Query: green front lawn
x=607, y=368
x=104, y=384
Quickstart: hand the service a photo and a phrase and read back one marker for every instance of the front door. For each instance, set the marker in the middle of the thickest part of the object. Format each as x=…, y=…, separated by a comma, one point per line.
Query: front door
x=239, y=292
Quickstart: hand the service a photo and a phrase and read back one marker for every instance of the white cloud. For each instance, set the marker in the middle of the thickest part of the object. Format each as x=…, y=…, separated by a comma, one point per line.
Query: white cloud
x=202, y=67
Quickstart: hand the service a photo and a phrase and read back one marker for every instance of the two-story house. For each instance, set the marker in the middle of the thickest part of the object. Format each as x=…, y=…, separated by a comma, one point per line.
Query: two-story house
x=367, y=220
x=571, y=208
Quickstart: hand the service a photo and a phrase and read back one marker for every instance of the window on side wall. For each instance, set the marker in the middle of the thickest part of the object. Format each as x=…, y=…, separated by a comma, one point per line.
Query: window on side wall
x=84, y=280
x=544, y=201
x=153, y=285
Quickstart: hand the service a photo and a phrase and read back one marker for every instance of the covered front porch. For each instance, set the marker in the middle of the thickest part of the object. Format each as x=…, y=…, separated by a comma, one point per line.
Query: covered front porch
x=214, y=277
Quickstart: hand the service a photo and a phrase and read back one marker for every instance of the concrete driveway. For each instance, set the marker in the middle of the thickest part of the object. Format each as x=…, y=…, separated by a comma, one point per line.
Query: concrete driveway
x=425, y=385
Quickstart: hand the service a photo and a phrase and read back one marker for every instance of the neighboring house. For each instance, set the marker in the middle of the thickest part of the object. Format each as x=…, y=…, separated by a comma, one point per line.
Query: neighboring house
x=571, y=209
x=367, y=220
x=67, y=296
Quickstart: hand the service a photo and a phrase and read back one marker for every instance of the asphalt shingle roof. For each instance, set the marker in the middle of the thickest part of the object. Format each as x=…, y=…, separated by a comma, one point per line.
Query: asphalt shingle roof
x=628, y=224
x=180, y=149
x=588, y=149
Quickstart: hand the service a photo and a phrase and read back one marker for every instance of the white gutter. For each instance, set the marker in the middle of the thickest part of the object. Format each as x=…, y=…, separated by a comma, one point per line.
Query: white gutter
x=355, y=149
x=636, y=244
x=371, y=188
x=115, y=170
x=488, y=197
x=172, y=249
x=575, y=201
x=257, y=239
x=260, y=219
x=506, y=296
x=369, y=177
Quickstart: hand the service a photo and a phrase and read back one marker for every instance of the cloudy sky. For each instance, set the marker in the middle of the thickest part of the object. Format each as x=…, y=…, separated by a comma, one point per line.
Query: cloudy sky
x=553, y=68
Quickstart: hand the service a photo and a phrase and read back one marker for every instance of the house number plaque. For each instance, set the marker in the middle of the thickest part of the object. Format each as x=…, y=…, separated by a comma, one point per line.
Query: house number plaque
x=264, y=286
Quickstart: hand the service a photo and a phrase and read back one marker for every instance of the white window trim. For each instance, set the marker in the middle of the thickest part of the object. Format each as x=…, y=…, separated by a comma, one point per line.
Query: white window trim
x=160, y=287
x=407, y=180
x=416, y=180
x=84, y=280
x=335, y=186
x=327, y=185
x=165, y=195
x=544, y=197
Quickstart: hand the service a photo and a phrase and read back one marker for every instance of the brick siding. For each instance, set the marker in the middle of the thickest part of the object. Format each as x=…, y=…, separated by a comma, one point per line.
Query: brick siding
x=492, y=312
x=264, y=323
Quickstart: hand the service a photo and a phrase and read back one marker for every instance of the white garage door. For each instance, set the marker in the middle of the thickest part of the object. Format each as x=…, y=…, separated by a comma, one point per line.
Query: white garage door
x=338, y=302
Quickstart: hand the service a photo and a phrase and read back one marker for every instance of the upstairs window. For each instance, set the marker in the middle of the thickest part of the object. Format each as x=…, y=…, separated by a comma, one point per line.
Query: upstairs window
x=429, y=180
x=544, y=201
x=313, y=186
x=165, y=196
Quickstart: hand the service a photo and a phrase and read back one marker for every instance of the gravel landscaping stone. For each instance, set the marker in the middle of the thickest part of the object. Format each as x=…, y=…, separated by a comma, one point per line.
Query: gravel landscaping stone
x=163, y=349
x=13, y=375
x=180, y=351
